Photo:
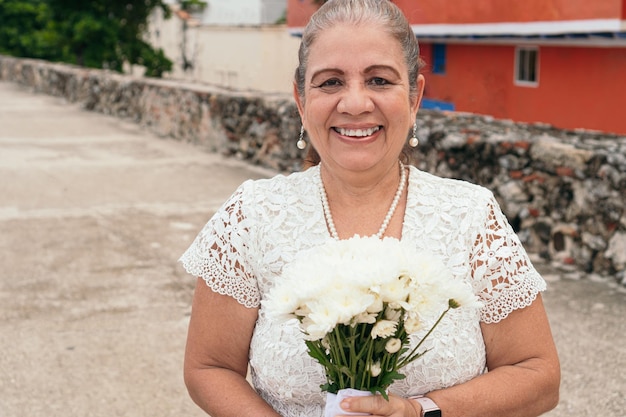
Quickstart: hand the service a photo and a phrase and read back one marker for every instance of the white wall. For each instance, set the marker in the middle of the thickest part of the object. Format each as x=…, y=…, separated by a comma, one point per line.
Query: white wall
x=261, y=58
x=242, y=12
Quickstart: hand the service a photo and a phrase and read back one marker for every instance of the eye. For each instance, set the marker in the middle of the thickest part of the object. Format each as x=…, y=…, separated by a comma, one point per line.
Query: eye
x=379, y=82
x=330, y=84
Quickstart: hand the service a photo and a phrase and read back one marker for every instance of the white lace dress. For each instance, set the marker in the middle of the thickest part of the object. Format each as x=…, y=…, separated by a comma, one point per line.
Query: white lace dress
x=243, y=248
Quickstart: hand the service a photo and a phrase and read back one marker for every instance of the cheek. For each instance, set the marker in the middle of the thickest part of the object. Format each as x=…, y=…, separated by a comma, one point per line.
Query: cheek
x=317, y=112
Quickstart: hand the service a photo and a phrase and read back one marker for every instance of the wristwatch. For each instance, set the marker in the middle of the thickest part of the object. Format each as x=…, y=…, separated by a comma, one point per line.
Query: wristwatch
x=429, y=408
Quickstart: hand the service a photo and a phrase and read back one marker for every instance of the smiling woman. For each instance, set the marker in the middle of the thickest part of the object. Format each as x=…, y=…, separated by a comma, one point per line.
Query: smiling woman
x=358, y=112
x=358, y=90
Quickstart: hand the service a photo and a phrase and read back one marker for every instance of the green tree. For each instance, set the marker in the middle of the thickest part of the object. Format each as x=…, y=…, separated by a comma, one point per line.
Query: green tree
x=90, y=33
x=22, y=28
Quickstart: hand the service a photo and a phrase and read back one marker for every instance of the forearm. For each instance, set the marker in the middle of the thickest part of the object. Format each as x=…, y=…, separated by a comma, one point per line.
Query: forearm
x=225, y=393
x=526, y=389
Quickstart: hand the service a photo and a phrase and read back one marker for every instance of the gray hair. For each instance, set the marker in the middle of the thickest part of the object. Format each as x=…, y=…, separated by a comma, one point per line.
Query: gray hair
x=381, y=12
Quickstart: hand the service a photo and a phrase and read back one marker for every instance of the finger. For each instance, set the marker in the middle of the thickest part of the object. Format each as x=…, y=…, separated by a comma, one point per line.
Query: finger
x=374, y=404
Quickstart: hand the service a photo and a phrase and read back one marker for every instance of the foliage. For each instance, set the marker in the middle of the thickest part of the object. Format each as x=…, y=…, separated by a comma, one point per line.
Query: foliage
x=22, y=32
x=90, y=33
x=192, y=6
x=282, y=19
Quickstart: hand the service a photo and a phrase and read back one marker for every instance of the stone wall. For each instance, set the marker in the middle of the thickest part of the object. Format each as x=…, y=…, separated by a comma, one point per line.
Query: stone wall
x=563, y=191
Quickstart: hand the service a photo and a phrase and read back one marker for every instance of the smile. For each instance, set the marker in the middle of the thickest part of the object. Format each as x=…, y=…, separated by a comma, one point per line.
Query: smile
x=357, y=132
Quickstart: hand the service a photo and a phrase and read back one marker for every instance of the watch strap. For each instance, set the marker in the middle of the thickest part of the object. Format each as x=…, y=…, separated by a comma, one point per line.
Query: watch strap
x=429, y=407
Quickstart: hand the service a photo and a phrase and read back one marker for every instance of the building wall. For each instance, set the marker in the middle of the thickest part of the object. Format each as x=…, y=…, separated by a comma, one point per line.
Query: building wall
x=577, y=86
x=242, y=12
x=260, y=58
x=489, y=11
x=484, y=11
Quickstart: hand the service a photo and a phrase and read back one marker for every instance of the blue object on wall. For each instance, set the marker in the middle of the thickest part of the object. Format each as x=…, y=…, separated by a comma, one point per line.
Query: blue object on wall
x=439, y=58
x=430, y=104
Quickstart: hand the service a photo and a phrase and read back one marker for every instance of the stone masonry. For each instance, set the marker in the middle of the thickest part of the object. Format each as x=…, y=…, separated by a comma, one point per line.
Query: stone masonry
x=563, y=191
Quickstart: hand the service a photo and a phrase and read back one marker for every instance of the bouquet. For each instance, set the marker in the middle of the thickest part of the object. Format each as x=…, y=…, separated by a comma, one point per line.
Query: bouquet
x=358, y=301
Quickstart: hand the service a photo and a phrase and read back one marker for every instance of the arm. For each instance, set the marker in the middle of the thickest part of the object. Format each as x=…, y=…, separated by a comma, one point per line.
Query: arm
x=523, y=377
x=216, y=356
x=524, y=371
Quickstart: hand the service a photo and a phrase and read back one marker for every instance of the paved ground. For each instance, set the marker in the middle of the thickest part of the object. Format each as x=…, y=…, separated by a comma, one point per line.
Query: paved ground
x=93, y=305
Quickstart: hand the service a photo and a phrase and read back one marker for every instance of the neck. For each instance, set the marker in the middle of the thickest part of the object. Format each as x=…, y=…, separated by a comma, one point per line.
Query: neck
x=361, y=210
x=349, y=188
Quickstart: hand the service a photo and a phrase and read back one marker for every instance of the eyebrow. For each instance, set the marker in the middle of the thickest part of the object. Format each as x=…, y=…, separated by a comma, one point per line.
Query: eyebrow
x=369, y=69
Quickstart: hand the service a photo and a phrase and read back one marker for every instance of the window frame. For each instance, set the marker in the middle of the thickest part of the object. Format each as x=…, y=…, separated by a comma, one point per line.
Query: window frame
x=520, y=56
x=439, y=58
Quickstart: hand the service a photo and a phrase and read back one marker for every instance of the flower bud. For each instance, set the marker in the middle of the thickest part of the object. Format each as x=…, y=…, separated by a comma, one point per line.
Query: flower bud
x=375, y=369
x=393, y=345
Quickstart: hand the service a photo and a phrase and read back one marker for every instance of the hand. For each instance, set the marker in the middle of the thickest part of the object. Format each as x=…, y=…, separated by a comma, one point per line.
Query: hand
x=377, y=406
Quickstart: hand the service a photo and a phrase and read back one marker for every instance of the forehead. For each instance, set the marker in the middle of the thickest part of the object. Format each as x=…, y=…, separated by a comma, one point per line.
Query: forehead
x=350, y=47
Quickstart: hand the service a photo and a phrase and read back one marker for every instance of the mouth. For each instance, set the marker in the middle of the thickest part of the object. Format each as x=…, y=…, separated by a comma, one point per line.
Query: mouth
x=357, y=133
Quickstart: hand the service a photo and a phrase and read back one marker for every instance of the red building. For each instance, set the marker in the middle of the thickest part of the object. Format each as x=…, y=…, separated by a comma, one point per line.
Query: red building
x=561, y=62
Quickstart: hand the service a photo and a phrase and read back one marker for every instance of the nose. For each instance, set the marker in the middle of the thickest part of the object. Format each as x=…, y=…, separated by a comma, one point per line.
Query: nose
x=355, y=99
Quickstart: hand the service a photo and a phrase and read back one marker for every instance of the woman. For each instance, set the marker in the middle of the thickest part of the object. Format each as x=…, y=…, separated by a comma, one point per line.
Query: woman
x=358, y=89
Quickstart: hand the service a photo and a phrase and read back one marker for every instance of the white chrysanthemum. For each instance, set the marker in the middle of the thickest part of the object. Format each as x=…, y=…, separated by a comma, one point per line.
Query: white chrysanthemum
x=319, y=318
x=281, y=303
x=367, y=318
x=375, y=369
x=393, y=345
x=412, y=324
x=428, y=292
x=462, y=295
x=384, y=329
x=376, y=306
x=350, y=281
x=395, y=290
x=393, y=314
x=348, y=305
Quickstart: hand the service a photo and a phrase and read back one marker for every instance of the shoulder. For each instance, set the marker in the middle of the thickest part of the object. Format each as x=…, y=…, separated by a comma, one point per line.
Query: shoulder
x=261, y=197
x=296, y=182
x=441, y=190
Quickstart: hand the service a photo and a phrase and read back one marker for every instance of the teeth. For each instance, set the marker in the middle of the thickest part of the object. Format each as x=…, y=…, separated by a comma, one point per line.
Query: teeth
x=358, y=132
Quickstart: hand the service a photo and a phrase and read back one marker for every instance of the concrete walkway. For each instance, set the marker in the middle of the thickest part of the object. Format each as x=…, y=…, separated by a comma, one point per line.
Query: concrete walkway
x=94, y=213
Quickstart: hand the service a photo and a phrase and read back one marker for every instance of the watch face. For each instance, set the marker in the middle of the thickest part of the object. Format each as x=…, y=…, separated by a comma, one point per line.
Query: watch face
x=433, y=413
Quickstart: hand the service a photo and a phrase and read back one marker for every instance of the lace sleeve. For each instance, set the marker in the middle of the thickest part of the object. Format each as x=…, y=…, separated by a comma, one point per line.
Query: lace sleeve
x=218, y=254
x=503, y=275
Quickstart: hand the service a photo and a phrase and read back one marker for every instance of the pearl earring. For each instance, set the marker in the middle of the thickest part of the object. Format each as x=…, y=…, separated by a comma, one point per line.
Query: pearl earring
x=301, y=144
x=414, y=141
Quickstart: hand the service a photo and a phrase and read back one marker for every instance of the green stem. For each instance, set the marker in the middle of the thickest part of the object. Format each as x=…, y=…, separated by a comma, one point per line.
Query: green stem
x=409, y=358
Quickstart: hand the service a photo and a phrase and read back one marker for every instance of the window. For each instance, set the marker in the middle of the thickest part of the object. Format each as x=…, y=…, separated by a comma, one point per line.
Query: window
x=439, y=58
x=527, y=65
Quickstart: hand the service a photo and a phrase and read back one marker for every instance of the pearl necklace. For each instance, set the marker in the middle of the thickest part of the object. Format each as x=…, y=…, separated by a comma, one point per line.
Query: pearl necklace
x=383, y=227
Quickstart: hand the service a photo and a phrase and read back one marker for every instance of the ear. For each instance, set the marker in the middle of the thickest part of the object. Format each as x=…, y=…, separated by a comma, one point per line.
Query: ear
x=415, y=105
x=299, y=101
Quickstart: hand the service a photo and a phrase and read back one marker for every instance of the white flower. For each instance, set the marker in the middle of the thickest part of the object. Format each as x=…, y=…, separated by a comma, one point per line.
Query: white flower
x=393, y=314
x=384, y=329
x=314, y=330
x=396, y=290
x=377, y=306
x=364, y=317
x=412, y=324
x=341, y=288
x=375, y=369
x=461, y=296
x=393, y=345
